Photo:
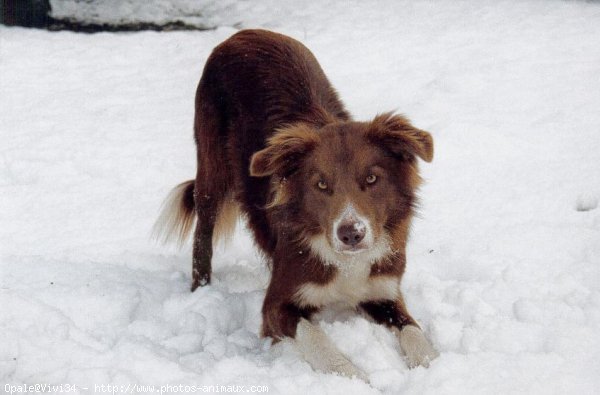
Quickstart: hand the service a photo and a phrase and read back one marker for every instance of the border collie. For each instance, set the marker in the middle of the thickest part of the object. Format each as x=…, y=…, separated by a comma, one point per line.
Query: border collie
x=328, y=199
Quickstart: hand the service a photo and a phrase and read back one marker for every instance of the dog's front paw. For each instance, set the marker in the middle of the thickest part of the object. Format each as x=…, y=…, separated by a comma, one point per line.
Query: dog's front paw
x=416, y=347
x=342, y=365
x=321, y=353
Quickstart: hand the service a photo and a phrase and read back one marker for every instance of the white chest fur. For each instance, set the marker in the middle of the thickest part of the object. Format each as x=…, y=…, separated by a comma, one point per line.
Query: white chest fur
x=351, y=285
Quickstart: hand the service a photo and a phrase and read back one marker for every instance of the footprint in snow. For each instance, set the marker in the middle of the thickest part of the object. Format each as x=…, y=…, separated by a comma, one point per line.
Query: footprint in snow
x=586, y=202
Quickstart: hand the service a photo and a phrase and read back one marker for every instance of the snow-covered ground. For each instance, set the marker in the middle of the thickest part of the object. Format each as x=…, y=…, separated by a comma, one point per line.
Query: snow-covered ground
x=504, y=261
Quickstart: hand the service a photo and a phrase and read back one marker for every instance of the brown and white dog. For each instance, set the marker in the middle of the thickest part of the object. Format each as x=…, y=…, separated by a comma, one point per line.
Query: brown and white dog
x=329, y=199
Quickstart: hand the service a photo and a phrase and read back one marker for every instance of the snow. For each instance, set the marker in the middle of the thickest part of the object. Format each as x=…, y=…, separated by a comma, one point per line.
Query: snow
x=503, y=262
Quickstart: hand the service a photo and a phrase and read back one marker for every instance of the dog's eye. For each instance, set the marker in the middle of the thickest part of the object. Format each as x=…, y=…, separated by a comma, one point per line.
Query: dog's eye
x=322, y=185
x=371, y=178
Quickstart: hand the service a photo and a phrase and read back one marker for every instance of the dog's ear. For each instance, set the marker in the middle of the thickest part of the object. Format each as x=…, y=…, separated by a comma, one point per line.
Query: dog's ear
x=395, y=133
x=284, y=151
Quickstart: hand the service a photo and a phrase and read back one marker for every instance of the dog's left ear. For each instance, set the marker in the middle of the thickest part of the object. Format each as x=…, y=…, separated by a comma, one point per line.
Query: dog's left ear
x=284, y=151
x=396, y=134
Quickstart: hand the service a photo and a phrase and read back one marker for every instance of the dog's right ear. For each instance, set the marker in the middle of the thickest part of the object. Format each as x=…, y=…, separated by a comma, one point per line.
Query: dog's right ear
x=284, y=151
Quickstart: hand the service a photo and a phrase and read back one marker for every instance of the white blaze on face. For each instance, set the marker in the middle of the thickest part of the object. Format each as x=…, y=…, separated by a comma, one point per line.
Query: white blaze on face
x=350, y=217
x=350, y=256
x=353, y=282
x=353, y=258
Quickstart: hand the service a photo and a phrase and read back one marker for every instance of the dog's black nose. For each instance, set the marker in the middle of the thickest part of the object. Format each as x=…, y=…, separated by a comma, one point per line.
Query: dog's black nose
x=351, y=234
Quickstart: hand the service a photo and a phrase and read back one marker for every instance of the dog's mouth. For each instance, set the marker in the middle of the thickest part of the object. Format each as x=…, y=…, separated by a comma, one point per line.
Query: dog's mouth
x=337, y=253
x=351, y=250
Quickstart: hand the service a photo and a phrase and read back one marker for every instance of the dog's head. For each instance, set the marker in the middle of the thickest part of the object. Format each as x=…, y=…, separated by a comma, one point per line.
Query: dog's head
x=349, y=186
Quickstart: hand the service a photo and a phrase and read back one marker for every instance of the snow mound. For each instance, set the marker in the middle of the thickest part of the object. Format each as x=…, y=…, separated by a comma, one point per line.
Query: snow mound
x=503, y=262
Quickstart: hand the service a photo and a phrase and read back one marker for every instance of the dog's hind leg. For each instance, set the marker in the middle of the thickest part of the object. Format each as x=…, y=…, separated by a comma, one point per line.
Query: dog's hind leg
x=202, y=254
x=217, y=214
x=213, y=181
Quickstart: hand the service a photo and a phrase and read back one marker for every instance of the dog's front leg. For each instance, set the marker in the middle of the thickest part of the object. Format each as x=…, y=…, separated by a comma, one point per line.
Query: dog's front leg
x=320, y=352
x=288, y=320
x=414, y=344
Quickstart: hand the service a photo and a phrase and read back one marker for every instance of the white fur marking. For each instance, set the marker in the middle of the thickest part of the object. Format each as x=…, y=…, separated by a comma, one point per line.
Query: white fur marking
x=322, y=248
x=350, y=215
x=318, y=350
x=174, y=222
x=351, y=288
x=352, y=283
x=416, y=347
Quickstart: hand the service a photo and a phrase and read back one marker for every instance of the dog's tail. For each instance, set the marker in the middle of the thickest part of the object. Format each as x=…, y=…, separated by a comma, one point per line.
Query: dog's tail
x=177, y=216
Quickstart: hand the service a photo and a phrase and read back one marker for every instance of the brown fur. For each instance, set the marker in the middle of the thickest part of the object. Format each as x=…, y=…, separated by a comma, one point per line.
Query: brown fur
x=177, y=217
x=273, y=137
